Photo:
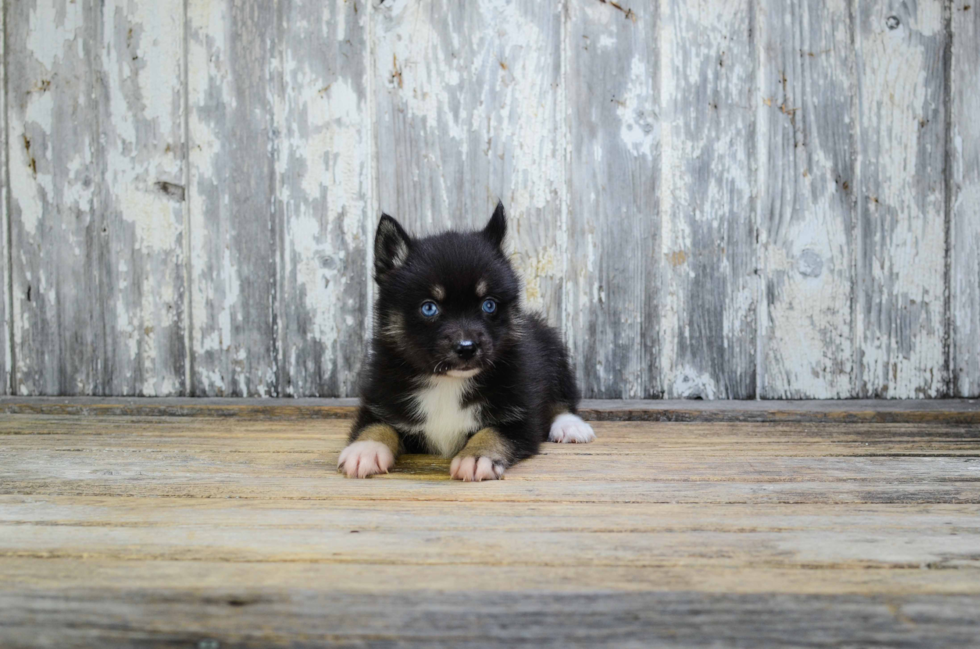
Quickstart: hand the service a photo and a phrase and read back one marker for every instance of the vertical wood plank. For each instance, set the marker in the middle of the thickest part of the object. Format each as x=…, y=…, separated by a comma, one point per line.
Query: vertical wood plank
x=805, y=151
x=709, y=287
x=56, y=226
x=613, y=224
x=901, y=220
x=5, y=333
x=469, y=110
x=141, y=118
x=233, y=233
x=96, y=206
x=964, y=200
x=324, y=187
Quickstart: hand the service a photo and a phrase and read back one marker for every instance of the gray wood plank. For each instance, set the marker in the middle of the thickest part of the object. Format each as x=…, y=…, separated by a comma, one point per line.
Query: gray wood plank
x=55, y=221
x=233, y=222
x=901, y=242
x=806, y=201
x=964, y=199
x=5, y=333
x=708, y=255
x=324, y=195
x=142, y=200
x=953, y=411
x=469, y=110
x=243, y=617
x=612, y=309
x=95, y=108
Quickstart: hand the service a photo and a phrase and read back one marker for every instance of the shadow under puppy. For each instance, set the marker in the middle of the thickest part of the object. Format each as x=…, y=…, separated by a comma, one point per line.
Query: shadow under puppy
x=456, y=367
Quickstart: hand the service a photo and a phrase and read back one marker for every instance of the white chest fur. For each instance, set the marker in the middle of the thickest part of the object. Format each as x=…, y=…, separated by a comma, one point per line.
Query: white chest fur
x=446, y=423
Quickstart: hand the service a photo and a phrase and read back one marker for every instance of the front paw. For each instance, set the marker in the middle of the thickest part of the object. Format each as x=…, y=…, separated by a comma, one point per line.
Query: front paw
x=475, y=469
x=363, y=459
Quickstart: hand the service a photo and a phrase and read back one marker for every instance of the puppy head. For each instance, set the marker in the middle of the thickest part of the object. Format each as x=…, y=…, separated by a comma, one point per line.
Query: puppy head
x=448, y=303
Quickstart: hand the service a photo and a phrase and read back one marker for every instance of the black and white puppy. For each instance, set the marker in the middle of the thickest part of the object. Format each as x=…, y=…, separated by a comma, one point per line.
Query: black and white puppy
x=456, y=367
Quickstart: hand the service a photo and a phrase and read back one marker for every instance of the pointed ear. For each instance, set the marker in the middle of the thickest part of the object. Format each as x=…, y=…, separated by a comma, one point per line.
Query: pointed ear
x=391, y=246
x=497, y=226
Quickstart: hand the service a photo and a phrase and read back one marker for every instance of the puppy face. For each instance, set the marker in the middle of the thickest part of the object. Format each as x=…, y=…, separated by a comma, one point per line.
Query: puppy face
x=448, y=303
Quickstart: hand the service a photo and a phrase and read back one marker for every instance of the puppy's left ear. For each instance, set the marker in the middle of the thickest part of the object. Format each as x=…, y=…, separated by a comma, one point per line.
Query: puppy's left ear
x=497, y=226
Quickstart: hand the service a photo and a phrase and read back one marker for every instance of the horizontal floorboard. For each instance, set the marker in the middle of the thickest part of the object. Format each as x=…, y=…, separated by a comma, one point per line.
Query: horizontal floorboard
x=965, y=411
x=173, y=530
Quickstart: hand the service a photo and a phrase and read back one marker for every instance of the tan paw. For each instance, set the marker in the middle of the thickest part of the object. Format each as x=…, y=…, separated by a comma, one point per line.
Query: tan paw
x=475, y=469
x=363, y=459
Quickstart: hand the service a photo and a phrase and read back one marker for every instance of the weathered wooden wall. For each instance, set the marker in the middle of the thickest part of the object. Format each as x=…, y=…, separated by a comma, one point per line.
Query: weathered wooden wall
x=711, y=198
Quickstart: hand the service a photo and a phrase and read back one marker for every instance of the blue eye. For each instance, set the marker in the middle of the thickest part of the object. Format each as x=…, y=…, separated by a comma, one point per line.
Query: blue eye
x=429, y=308
x=489, y=306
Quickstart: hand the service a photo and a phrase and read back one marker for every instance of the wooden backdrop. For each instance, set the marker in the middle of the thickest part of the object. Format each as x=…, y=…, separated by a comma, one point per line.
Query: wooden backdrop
x=711, y=198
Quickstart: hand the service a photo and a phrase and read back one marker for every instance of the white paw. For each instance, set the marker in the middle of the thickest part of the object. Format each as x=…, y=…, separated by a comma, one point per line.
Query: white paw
x=473, y=469
x=362, y=459
x=570, y=429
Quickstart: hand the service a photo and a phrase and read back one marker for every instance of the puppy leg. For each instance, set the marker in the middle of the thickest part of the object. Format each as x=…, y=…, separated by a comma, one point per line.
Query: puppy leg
x=485, y=457
x=372, y=451
x=570, y=429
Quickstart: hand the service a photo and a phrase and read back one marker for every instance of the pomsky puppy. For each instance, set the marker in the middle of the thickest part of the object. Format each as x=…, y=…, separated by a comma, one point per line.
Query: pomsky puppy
x=456, y=367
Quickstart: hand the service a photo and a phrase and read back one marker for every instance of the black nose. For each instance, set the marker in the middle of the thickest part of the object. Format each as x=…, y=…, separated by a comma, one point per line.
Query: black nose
x=465, y=349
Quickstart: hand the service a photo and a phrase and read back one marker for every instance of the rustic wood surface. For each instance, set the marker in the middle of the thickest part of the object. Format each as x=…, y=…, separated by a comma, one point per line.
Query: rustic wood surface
x=710, y=199
x=95, y=105
x=901, y=243
x=613, y=271
x=224, y=532
x=908, y=411
x=233, y=230
x=5, y=330
x=806, y=213
x=964, y=200
x=323, y=195
x=709, y=288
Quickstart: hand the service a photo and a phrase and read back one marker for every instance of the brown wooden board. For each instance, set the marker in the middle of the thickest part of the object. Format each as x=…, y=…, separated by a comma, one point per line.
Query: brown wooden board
x=191, y=531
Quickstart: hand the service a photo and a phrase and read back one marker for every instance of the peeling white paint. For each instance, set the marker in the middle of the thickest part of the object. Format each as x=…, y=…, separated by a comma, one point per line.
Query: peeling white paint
x=469, y=105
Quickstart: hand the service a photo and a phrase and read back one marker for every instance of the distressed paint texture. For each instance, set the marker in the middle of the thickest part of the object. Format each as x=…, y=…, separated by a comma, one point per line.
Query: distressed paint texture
x=5, y=333
x=141, y=111
x=233, y=222
x=901, y=239
x=711, y=198
x=469, y=110
x=805, y=177
x=324, y=175
x=964, y=199
x=94, y=107
x=612, y=281
x=709, y=284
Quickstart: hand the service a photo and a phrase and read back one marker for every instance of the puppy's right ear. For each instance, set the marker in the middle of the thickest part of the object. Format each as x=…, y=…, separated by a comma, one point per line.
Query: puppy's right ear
x=391, y=246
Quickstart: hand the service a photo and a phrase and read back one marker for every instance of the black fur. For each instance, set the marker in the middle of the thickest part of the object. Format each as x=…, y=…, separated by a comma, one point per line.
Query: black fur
x=525, y=378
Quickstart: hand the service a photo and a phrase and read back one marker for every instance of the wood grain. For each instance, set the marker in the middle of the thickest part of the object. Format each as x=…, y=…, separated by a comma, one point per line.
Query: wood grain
x=710, y=199
x=323, y=195
x=900, y=271
x=233, y=225
x=612, y=312
x=6, y=362
x=709, y=286
x=956, y=411
x=469, y=102
x=95, y=107
x=964, y=200
x=806, y=208
x=169, y=531
x=55, y=221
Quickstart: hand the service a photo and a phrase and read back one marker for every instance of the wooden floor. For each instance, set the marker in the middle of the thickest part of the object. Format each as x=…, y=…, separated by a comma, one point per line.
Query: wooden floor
x=226, y=532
